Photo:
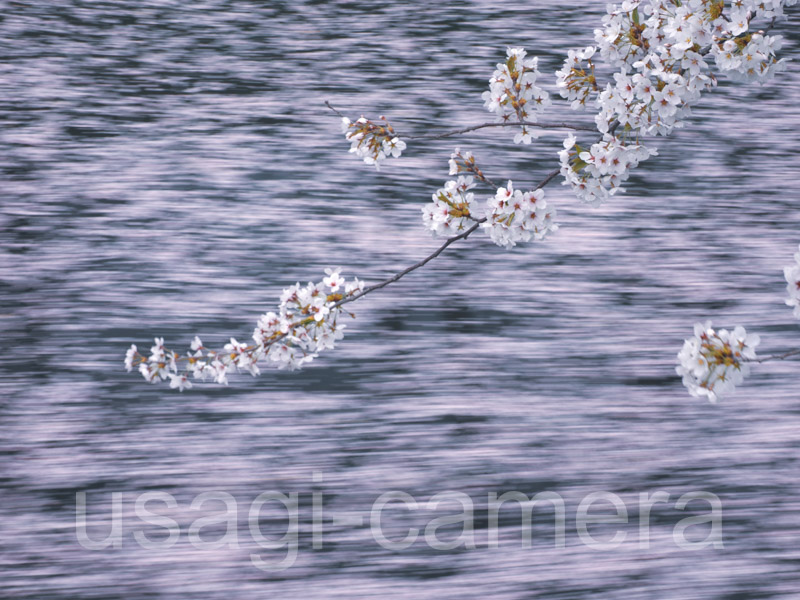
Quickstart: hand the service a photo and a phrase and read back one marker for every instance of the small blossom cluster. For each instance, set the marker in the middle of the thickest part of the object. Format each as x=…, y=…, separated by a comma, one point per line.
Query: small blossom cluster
x=464, y=162
x=621, y=40
x=743, y=11
x=653, y=101
x=749, y=58
x=792, y=275
x=514, y=216
x=510, y=216
x=373, y=142
x=306, y=323
x=513, y=94
x=713, y=363
x=576, y=81
x=596, y=174
x=159, y=366
x=451, y=210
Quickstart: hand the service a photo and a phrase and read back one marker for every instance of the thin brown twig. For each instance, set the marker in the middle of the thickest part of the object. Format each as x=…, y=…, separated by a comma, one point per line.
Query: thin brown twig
x=540, y=125
x=777, y=356
x=770, y=26
x=481, y=177
x=489, y=181
x=451, y=240
x=550, y=176
x=437, y=136
x=329, y=105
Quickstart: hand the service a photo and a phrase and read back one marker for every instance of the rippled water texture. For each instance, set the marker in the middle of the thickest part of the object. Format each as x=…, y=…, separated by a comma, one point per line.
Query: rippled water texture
x=168, y=167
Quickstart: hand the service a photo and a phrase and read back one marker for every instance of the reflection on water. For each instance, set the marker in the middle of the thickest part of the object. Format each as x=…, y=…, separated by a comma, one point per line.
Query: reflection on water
x=168, y=168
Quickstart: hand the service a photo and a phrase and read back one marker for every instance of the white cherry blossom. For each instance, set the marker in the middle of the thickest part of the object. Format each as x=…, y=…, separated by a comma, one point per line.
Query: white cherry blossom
x=181, y=382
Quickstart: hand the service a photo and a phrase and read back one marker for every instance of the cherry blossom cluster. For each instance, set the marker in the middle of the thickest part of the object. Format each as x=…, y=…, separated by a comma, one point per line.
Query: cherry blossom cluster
x=576, y=81
x=596, y=174
x=658, y=48
x=452, y=208
x=792, y=275
x=464, y=162
x=373, y=142
x=513, y=94
x=509, y=217
x=660, y=56
x=743, y=11
x=514, y=216
x=749, y=58
x=306, y=323
x=713, y=363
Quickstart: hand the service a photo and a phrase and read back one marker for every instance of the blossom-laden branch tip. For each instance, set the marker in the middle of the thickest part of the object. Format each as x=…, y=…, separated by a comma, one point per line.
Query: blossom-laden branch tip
x=713, y=363
x=307, y=322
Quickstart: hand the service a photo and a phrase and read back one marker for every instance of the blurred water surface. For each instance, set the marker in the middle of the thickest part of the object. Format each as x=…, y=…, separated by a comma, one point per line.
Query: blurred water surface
x=168, y=167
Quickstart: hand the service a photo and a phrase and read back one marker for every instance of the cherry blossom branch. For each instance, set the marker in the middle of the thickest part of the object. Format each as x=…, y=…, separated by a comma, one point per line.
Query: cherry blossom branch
x=660, y=74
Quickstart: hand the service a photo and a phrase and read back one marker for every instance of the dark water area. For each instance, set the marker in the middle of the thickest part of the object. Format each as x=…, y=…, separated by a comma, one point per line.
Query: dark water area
x=167, y=168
